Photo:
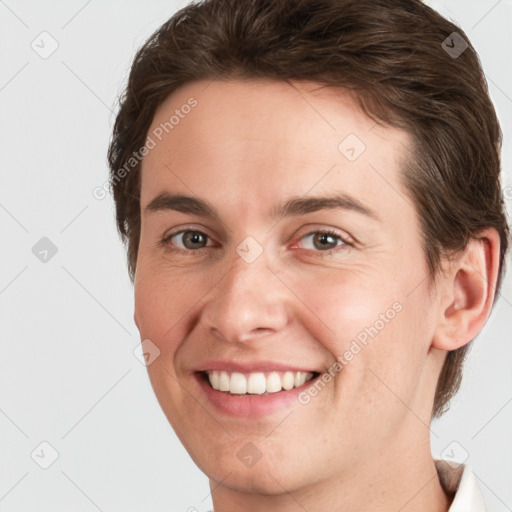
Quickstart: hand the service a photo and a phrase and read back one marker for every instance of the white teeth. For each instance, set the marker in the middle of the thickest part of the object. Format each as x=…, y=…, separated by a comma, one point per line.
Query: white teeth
x=238, y=384
x=300, y=378
x=288, y=381
x=273, y=383
x=223, y=381
x=257, y=383
x=214, y=379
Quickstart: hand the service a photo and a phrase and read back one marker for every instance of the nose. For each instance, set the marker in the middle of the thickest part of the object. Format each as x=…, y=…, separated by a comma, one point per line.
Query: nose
x=248, y=302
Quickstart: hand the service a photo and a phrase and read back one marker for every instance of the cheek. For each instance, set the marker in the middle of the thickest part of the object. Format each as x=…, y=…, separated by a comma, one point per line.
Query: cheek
x=394, y=356
x=371, y=319
x=348, y=302
x=164, y=303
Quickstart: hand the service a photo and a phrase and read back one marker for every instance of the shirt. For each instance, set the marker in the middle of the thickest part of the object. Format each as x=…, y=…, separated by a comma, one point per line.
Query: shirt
x=461, y=483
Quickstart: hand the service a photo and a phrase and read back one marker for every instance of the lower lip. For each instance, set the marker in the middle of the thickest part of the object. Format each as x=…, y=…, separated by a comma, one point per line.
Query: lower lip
x=250, y=406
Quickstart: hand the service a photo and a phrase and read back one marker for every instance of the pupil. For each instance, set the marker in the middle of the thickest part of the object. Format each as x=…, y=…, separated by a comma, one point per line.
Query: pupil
x=194, y=238
x=322, y=238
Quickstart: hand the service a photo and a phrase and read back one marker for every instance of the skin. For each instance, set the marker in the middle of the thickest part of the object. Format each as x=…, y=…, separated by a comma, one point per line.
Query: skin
x=363, y=442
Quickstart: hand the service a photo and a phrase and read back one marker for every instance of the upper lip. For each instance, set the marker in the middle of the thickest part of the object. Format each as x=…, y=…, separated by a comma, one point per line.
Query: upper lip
x=253, y=366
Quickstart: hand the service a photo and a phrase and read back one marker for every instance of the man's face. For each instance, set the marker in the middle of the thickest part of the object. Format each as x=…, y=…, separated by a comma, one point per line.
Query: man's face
x=260, y=295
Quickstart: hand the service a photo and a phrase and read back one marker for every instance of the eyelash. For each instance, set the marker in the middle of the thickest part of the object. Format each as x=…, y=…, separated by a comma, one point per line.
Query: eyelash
x=165, y=242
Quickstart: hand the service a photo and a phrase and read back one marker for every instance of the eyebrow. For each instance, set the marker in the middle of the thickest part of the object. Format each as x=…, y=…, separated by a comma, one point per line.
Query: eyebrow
x=294, y=206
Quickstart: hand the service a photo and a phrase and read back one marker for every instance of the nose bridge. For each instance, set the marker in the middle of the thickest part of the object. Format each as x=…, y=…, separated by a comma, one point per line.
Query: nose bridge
x=248, y=300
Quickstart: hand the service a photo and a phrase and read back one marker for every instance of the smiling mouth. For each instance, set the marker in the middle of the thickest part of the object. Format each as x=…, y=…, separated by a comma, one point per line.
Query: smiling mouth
x=256, y=383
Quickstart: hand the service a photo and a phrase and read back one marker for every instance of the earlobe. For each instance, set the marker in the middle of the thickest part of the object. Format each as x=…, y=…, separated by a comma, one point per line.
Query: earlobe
x=470, y=286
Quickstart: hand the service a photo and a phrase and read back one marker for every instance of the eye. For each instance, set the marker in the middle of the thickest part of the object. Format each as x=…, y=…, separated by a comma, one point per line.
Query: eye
x=325, y=240
x=187, y=241
x=191, y=240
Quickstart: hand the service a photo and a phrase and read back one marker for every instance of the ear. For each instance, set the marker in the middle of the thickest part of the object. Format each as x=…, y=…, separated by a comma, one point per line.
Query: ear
x=468, y=292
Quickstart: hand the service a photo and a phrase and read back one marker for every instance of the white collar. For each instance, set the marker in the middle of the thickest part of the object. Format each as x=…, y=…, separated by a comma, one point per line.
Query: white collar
x=460, y=481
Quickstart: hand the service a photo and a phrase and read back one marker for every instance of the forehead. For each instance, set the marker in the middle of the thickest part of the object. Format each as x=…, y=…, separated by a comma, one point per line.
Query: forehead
x=266, y=139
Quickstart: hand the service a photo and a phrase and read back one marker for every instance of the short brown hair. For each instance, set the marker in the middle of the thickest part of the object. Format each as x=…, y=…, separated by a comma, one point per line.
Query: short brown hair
x=391, y=53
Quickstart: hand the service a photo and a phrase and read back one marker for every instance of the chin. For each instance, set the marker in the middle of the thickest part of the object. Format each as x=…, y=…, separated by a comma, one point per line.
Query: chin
x=259, y=479
x=269, y=474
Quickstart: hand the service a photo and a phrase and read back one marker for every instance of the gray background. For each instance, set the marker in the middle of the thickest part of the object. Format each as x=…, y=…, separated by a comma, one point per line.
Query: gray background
x=68, y=375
